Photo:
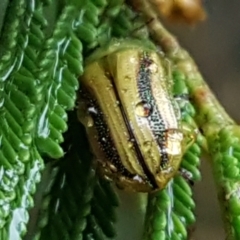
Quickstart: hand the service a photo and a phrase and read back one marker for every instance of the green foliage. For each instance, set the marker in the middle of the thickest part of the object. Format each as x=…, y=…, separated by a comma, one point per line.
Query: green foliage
x=20, y=161
x=39, y=70
x=77, y=205
x=59, y=65
x=225, y=151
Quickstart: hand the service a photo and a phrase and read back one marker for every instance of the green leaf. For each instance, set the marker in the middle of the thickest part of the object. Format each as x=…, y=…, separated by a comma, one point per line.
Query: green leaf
x=78, y=204
x=19, y=159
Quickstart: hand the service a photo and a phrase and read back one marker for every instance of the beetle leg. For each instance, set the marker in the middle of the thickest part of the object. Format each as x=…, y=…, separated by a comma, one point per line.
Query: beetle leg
x=190, y=134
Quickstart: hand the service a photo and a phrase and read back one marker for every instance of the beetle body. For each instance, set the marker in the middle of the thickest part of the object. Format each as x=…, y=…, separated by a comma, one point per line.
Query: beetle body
x=131, y=118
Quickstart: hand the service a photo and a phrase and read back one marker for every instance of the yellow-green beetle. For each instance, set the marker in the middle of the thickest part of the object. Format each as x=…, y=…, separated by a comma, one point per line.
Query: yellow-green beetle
x=131, y=117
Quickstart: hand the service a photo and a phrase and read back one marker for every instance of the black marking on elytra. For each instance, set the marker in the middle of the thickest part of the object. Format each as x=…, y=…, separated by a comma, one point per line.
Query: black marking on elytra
x=104, y=138
x=140, y=157
x=155, y=119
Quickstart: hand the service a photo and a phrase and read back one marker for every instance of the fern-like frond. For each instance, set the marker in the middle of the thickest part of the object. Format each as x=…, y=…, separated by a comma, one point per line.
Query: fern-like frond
x=20, y=161
x=59, y=65
x=78, y=205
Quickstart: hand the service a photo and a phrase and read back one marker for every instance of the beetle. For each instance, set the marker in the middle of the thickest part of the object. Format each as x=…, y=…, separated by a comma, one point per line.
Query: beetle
x=131, y=117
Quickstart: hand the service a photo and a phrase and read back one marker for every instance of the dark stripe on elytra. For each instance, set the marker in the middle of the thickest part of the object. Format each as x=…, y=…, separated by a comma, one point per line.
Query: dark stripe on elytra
x=104, y=139
x=140, y=157
x=155, y=119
